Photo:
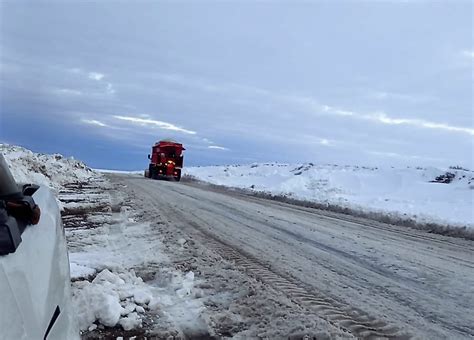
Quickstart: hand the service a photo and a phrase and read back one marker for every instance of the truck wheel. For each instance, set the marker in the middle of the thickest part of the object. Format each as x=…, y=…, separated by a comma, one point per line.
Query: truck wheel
x=178, y=176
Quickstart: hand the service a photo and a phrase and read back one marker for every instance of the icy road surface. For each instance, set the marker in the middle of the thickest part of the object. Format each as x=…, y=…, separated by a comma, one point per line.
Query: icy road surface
x=367, y=279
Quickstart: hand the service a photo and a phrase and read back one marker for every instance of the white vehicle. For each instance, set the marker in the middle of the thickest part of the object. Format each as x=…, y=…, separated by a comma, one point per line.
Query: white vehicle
x=34, y=267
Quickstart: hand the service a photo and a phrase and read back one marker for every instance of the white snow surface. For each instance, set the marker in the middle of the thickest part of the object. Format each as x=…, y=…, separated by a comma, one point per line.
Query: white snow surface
x=52, y=171
x=110, y=299
x=112, y=171
x=115, y=254
x=403, y=192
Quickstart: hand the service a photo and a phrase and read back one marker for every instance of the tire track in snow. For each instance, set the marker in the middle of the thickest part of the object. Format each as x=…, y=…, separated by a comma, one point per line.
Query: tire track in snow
x=231, y=222
x=352, y=320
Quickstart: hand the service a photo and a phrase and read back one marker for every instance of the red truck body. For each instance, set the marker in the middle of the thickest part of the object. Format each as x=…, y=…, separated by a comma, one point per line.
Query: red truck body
x=166, y=160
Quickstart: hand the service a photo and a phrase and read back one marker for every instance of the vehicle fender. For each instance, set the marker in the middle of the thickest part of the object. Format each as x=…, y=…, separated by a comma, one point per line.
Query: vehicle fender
x=35, y=287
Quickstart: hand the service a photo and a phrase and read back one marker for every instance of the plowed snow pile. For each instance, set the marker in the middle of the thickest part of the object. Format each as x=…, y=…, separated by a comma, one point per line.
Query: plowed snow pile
x=51, y=170
x=422, y=194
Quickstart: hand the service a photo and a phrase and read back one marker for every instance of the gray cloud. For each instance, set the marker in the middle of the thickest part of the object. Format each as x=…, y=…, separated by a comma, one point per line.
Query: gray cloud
x=281, y=87
x=146, y=122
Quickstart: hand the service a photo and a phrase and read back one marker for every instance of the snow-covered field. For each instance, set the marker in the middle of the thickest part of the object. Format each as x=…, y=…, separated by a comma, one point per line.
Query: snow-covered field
x=405, y=192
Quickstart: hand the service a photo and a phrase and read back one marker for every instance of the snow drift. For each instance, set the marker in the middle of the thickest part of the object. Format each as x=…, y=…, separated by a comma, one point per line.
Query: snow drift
x=427, y=195
x=52, y=171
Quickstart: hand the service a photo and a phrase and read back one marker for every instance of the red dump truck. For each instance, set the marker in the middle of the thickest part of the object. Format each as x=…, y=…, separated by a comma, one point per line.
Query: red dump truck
x=166, y=160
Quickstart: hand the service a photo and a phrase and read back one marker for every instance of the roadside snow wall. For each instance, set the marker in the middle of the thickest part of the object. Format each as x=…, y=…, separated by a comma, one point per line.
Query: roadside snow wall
x=426, y=195
x=52, y=171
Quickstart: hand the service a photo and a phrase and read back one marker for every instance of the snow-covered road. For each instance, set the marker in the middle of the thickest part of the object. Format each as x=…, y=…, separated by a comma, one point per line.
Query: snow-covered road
x=362, y=277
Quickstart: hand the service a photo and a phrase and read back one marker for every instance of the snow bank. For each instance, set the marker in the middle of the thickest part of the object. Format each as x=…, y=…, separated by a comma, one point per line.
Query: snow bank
x=117, y=244
x=111, y=299
x=122, y=298
x=107, y=263
x=407, y=192
x=52, y=171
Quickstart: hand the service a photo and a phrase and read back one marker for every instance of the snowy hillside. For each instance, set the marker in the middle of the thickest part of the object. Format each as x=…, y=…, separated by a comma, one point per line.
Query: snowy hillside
x=416, y=193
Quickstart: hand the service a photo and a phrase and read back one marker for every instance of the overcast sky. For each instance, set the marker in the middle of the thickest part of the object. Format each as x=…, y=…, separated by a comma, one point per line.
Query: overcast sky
x=349, y=82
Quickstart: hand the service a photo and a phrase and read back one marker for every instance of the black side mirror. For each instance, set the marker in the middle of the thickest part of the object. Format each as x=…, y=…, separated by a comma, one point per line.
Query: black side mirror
x=10, y=235
x=149, y=156
x=29, y=189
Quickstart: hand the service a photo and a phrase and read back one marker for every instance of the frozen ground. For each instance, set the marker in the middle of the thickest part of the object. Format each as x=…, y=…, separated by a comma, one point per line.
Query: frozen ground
x=185, y=290
x=308, y=271
x=404, y=192
x=234, y=303
x=123, y=283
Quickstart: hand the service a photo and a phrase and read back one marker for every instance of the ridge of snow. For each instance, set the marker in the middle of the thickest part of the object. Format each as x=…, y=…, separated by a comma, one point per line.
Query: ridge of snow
x=52, y=171
x=405, y=192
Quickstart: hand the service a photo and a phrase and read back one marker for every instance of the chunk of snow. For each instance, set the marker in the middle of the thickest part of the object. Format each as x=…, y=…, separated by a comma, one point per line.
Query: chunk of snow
x=131, y=321
x=78, y=271
x=189, y=276
x=128, y=308
x=140, y=309
x=109, y=311
x=141, y=296
x=107, y=276
x=187, y=285
x=100, y=300
x=154, y=303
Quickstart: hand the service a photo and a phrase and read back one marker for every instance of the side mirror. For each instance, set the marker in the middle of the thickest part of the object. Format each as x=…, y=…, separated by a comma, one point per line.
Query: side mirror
x=149, y=156
x=10, y=236
x=30, y=189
